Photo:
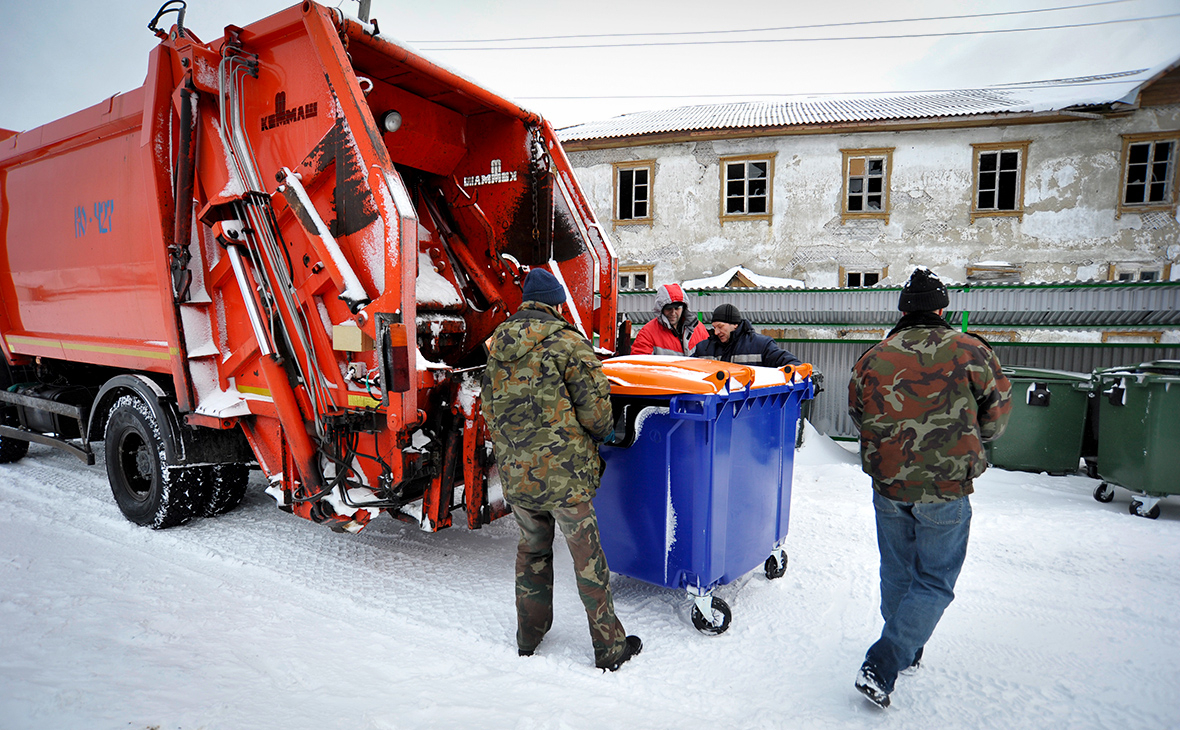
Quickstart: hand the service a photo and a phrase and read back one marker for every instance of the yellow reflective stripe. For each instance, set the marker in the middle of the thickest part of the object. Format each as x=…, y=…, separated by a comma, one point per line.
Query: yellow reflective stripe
x=159, y=354
x=355, y=401
x=363, y=401
x=254, y=391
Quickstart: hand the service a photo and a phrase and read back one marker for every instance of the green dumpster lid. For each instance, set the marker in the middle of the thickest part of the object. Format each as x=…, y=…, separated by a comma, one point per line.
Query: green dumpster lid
x=1047, y=375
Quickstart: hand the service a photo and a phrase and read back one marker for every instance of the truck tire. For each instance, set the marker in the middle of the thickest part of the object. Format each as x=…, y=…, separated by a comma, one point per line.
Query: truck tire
x=148, y=491
x=10, y=449
x=227, y=487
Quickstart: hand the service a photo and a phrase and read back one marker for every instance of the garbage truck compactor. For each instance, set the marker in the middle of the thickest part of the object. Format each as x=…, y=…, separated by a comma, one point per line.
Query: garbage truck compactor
x=287, y=248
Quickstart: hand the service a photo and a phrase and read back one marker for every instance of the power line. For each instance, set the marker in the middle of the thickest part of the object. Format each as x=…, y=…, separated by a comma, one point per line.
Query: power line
x=1019, y=85
x=775, y=29
x=945, y=34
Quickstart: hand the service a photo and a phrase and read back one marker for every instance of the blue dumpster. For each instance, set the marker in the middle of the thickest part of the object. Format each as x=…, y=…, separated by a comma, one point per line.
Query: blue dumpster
x=697, y=487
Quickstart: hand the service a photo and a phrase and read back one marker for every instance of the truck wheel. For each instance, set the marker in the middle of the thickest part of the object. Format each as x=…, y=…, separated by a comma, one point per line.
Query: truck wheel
x=148, y=491
x=11, y=449
x=228, y=486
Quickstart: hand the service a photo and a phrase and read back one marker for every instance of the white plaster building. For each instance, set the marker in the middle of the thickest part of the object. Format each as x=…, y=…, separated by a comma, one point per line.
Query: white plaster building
x=1066, y=181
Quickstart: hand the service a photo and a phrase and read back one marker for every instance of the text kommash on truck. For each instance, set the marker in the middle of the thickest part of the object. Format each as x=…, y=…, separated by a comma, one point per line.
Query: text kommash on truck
x=286, y=248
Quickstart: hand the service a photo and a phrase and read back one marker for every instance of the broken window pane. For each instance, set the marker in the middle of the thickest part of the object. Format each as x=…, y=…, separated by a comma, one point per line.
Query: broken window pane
x=854, y=203
x=735, y=171
x=757, y=187
x=1139, y=153
x=876, y=166
x=641, y=281
x=854, y=280
x=875, y=184
x=874, y=202
x=856, y=185
x=871, y=278
x=998, y=183
x=734, y=205
x=626, y=194
x=1149, y=276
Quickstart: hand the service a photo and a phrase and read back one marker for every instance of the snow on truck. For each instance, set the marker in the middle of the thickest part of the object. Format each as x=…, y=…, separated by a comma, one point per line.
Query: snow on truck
x=285, y=249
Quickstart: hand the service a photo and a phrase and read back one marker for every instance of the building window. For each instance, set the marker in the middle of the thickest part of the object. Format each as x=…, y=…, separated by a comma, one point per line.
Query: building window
x=633, y=186
x=635, y=277
x=866, y=184
x=746, y=187
x=1149, y=172
x=999, y=179
x=1139, y=272
x=857, y=278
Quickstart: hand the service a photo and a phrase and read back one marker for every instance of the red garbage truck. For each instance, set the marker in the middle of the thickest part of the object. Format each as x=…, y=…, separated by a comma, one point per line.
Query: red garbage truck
x=284, y=250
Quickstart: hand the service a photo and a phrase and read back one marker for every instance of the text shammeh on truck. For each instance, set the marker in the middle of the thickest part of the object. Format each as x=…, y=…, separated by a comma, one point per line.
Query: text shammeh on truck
x=285, y=249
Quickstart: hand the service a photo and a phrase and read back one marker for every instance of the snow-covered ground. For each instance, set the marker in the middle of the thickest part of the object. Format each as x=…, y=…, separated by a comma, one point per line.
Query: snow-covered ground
x=1067, y=616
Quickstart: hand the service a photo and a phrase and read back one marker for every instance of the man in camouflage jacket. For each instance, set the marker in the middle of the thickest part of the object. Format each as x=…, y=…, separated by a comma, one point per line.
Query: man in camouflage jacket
x=547, y=405
x=925, y=399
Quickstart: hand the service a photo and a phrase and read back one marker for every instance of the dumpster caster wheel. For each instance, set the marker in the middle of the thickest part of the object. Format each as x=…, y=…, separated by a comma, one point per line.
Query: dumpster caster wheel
x=719, y=622
x=1137, y=510
x=774, y=568
x=1104, y=493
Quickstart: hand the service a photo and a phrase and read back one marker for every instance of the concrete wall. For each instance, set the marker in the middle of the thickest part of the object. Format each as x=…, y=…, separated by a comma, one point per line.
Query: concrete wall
x=1069, y=231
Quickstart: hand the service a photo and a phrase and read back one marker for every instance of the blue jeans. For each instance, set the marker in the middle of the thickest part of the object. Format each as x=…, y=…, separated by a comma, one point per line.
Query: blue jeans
x=922, y=550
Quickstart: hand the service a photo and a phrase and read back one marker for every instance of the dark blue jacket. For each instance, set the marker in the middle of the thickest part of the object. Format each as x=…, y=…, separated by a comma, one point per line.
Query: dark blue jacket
x=746, y=347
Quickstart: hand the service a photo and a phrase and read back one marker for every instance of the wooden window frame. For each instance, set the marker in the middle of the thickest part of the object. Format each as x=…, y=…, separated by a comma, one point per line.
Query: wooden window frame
x=1164, y=269
x=1113, y=337
x=845, y=271
x=1173, y=186
x=616, y=169
x=853, y=154
x=723, y=164
x=649, y=270
x=976, y=151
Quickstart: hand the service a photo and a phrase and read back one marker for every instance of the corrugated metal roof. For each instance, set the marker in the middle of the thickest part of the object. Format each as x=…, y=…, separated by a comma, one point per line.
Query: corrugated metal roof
x=754, y=114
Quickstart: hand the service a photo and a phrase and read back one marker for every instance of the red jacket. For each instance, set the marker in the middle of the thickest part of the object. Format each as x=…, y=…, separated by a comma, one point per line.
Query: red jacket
x=657, y=336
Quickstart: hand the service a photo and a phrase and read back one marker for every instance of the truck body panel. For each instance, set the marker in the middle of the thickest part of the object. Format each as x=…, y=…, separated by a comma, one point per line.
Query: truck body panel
x=302, y=232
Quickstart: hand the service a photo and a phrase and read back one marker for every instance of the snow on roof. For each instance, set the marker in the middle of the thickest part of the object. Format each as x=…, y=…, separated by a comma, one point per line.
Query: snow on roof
x=762, y=282
x=1039, y=96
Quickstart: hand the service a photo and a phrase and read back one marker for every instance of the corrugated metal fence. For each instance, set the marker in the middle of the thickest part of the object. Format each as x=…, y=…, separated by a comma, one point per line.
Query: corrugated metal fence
x=1034, y=310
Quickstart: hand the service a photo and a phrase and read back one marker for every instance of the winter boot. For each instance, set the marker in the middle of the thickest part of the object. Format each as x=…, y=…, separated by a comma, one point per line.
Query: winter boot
x=871, y=686
x=633, y=646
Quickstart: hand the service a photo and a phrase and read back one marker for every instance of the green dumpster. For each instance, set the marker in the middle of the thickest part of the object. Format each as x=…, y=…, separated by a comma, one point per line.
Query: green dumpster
x=1139, y=433
x=1047, y=424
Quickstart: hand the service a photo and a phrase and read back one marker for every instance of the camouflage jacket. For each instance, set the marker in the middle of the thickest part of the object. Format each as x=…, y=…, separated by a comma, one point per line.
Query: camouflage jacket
x=925, y=399
x=546, y=402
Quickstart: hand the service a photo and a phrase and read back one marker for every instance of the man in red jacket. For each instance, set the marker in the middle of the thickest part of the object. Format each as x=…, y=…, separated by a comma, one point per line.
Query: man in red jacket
x=674, y=331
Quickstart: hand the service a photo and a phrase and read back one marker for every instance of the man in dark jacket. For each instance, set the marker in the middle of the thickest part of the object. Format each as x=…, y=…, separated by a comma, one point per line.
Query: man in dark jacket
x=734, y=340
x=547, y=405
x=925, y=399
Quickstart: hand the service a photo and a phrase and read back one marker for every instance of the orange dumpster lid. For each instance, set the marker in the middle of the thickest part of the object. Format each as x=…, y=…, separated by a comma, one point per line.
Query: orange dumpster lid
x=670, y=375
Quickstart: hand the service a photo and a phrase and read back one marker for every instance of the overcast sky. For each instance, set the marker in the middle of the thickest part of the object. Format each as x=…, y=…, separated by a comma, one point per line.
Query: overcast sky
x=61, y=56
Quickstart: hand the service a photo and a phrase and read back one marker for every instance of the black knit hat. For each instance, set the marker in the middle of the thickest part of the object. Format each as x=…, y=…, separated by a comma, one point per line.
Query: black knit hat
x=727, y=313
x=924, y=292
x=541, y=286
